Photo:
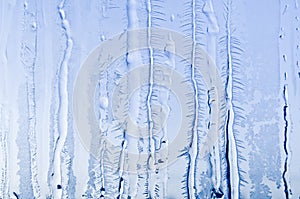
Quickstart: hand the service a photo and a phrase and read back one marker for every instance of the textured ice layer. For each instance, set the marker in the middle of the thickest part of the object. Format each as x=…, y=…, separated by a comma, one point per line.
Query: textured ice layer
x=184, y=99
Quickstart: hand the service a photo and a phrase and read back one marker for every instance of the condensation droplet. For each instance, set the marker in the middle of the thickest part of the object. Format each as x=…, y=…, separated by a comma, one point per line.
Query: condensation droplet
x=33, y=26
x=172, y=17
x=25, y=5
x=104, y=102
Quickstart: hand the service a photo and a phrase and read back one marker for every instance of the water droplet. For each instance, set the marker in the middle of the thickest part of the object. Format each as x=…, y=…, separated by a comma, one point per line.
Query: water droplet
x=172, y=17
x=33, y=26
x=103, y=102
x=25, y=5
x=284, y=58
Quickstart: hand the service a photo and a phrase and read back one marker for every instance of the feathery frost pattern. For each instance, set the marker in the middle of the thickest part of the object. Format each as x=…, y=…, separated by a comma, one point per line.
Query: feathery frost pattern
x=149, y=99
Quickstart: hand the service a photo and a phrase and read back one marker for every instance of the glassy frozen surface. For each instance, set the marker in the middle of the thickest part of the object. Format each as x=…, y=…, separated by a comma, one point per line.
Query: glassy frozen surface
x=149, y=99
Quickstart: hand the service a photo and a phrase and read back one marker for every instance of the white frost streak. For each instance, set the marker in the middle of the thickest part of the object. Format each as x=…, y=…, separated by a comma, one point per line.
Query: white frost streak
x=63, y=109
x=151, y=158
x=32, y=134
x=194, y=146
x=234, y=175
x=4, y=116
x=4, y=185
x=151, y=143
x=29, y=53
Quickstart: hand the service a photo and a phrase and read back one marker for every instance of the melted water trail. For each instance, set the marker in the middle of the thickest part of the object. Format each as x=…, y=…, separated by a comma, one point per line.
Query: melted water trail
x=285, y=143
x=218, y=164
x=231, y=150
x=287, y=84
x=151, y=147
x=61, y=157
x=4, y=129
x=29, y=59
x=194, y=140
x=136, y=180
x=4, y=113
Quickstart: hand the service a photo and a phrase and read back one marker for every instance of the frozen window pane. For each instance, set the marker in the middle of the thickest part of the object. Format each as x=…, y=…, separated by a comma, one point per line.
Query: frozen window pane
x=149, y=99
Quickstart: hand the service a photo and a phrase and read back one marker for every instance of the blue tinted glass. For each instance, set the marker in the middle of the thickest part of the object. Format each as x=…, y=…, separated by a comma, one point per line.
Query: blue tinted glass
x=149, y=99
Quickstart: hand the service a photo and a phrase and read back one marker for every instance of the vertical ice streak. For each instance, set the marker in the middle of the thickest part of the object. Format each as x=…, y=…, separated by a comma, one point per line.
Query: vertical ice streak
x=96, y=186
x=151, y=144
x=286, y=83
x=133, y=185
x=212, y=28
x=4, y=114
x=231, y=143
x=285, y=143
x=29, y=57
x=218, y=164
x=162, y=174
x=193, y=28
x=160, y=109
x=97, y=173
x=151, y=149
x=196, y=25
x=4, y=129
x=132, y=21
x=289, y=42
x=194, y=139
x=59, y=184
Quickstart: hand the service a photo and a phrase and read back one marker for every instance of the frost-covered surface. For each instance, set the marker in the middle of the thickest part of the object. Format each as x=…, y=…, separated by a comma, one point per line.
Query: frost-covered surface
x=169, y=125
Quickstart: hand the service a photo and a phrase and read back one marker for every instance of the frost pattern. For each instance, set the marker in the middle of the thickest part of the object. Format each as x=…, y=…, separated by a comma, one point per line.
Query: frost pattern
x=255, y=47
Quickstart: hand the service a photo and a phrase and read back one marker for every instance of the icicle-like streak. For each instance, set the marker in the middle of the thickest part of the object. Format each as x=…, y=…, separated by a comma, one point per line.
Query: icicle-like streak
x=231, y=143
x=4, y=179
x=194, y=139
x=285, y=143
x=29, y=59
x=151, y=149
x=131, y=22
x=4, y=114
x=162, y=174
x=287, y=84
x=159, y=100
x=59, y=184
x=96, y=185
x=151, y=144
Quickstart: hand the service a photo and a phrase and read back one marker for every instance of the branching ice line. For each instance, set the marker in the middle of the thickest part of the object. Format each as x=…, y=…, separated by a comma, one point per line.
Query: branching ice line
x=63, y=106
x=232, y=155
x=151, y=142
x=151, y=150
x=150, y=91
x=194, y=142
x=213, y=29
